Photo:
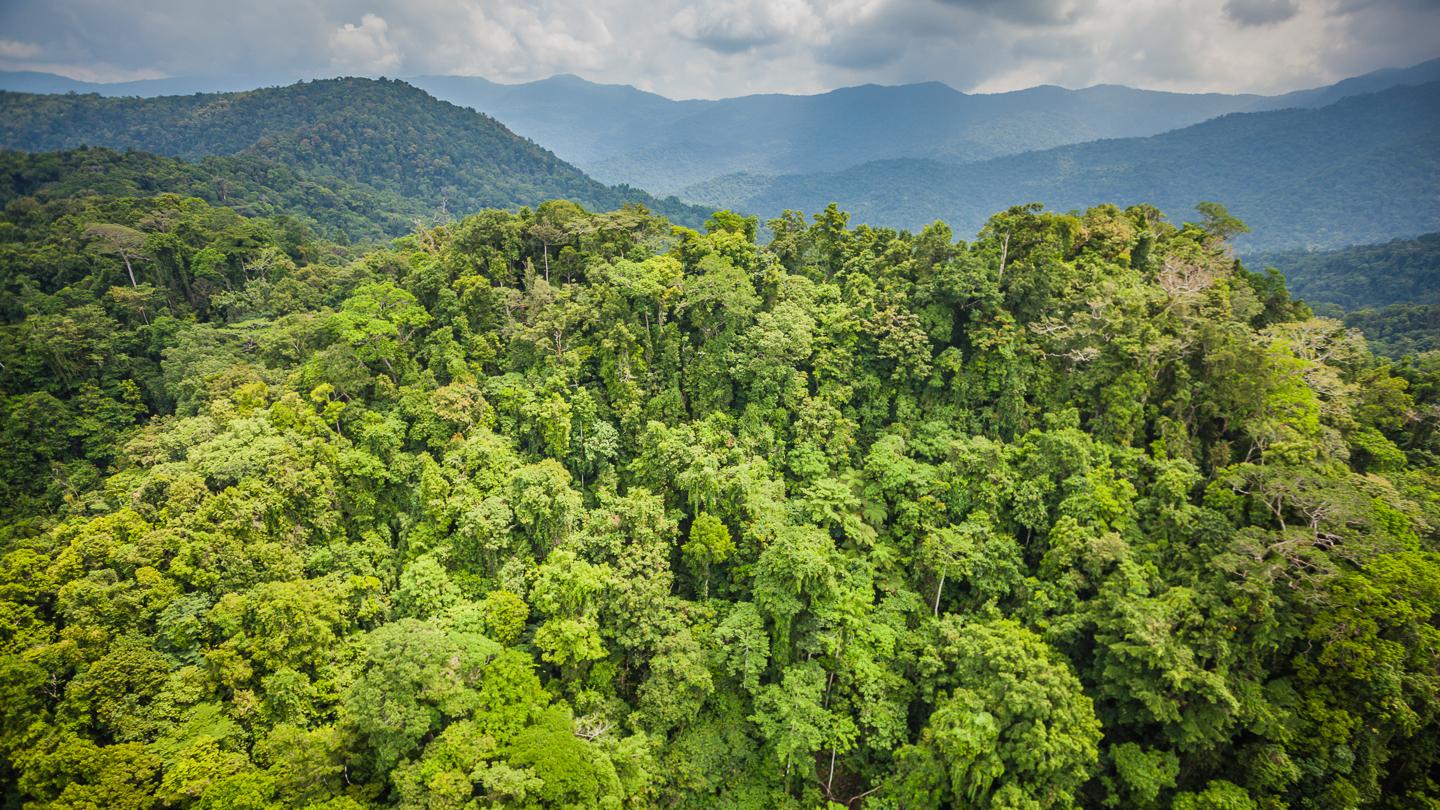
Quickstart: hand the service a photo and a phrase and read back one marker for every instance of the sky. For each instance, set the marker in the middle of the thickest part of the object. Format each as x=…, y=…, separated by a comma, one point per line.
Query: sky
x=719, y=48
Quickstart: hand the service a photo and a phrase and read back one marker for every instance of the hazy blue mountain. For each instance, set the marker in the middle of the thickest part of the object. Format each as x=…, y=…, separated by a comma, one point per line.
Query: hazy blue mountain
x=621, y=134
x=386, y=135
x=1361, y=170
x=30, y=81
x=1373, y=82
x=618, y=133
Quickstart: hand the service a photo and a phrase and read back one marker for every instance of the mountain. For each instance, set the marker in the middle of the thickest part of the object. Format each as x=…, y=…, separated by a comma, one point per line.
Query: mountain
x=1401, y=271
x=1360, y=170
x=1372, y=82
x=30, y=81
x=618, y=133
x=387, y=135
x=1389, y=291
x=335, y=209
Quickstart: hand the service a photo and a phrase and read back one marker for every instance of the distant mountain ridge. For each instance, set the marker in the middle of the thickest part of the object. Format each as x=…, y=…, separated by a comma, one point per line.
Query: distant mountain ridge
x=620, y=134
x=33, y=81
x=1361, y=170
x=384, y=134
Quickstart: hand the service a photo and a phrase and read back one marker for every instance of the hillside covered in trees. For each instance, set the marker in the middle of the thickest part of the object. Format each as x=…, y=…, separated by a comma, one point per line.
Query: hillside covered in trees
x=1360, y=170
x=1401, y=271
x=1390, y=291
x=558, y=509
x=335, y=209
x=385, y=137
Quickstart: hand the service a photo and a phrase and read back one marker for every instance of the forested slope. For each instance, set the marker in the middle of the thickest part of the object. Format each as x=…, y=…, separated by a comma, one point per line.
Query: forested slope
x=561, y=509
x=1391, y=290
x=253, y=186
x=383, y=134
x=1361, y=170
x=1401, y=271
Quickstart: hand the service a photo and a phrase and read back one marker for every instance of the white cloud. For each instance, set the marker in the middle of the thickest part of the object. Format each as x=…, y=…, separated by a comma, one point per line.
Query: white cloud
x=15, y=49
x=364, y=48
x=735, y=26
x=712, y=48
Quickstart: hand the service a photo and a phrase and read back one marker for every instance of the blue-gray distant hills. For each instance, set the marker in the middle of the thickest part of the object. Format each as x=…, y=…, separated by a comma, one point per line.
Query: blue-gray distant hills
x=1364, y=169
x=1349, y=163
x=620, y=134
x=617, y=133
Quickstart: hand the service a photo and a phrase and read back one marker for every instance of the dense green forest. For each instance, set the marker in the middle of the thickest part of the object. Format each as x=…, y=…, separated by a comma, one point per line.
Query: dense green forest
x=336, y=210
x=553, y=508
x=386, y=136
x=1357, y=171
x=1399, y=329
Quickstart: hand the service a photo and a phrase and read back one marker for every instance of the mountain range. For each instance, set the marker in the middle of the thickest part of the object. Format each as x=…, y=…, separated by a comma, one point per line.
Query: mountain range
x=1348, y=163
x=378, y=137
x=620, y=134
x=1363, y=169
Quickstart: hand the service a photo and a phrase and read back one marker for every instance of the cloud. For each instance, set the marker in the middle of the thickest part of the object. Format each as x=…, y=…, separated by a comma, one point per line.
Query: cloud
x=365, y=48
x=1029, y=12
x=713, y=48
x=14, y=49
x=736, y=26
x=1260, y=12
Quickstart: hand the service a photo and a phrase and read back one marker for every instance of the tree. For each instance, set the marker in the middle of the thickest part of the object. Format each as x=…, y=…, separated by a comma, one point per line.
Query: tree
x=118, y=240
x=1218, y=222
x=415, y=679
x=709, y=544
x=378, y=320
x=1017, y=727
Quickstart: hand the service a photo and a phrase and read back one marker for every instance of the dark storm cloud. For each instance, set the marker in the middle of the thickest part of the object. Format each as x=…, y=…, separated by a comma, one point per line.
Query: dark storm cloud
x=687, y=48
x=1261, y=12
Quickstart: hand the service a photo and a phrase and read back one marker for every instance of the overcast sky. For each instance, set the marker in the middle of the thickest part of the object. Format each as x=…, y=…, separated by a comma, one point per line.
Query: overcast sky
x=713, y=48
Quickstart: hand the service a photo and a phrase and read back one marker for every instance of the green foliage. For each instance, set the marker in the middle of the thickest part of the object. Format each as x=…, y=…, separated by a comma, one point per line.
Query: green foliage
x=558, y=509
